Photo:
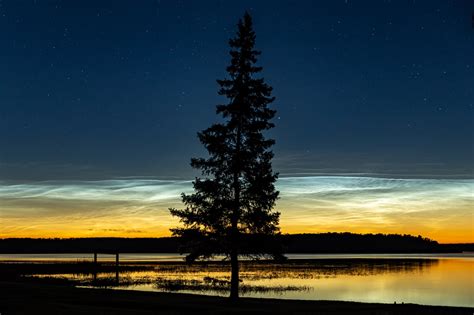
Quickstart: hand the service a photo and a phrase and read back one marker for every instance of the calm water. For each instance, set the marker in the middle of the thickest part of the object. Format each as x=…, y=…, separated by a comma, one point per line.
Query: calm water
x=446, y=279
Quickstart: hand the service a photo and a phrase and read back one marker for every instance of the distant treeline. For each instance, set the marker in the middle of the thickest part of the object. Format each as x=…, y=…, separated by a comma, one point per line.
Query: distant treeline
x=293, y=243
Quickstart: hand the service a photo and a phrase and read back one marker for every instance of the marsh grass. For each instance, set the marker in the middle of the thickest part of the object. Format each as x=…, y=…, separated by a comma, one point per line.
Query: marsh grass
x=209, y=284
x=204, y=277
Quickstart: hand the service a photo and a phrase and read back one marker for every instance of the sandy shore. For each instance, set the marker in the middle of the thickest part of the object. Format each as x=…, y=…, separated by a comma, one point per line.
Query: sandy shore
x=34, y=298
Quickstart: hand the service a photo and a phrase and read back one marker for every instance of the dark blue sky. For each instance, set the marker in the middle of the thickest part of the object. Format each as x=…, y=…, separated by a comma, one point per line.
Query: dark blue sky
x=101, y=89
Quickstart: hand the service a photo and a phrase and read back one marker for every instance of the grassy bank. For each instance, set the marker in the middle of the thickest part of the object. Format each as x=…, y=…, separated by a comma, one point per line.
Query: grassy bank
x=26, y=297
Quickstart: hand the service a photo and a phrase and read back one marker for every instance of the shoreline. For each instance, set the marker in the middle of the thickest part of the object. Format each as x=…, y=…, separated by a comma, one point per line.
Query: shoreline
x=28, y=297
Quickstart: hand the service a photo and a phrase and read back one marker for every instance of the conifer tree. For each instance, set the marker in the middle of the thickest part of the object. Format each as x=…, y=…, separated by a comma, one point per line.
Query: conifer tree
x=231, y=210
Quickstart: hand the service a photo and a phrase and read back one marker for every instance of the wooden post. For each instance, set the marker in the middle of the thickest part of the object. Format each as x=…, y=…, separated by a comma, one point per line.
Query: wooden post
x=94, y=268
x=117, y=268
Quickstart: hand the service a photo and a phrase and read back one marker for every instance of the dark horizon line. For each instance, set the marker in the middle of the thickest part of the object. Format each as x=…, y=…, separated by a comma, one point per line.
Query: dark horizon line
x=283, y=234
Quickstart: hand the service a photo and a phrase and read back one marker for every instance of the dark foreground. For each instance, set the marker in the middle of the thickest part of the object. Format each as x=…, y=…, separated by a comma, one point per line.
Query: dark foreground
x=34, y=298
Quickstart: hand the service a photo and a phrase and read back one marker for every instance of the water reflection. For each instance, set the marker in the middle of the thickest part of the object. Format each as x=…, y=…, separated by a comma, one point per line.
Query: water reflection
x=443, y=281
x=215, y=276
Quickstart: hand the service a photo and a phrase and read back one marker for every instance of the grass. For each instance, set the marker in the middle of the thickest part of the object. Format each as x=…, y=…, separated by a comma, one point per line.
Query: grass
x=208, y=284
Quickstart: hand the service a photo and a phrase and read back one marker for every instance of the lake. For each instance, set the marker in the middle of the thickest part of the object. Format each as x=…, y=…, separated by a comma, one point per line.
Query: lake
x=432, y=279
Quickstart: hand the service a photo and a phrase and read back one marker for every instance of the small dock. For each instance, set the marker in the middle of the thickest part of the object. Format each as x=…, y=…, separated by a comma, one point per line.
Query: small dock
x=117, y=263
x=117, y=257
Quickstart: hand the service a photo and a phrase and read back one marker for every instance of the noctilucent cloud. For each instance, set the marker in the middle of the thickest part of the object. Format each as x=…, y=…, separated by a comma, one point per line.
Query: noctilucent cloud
x=100, y=103
x=437, y=208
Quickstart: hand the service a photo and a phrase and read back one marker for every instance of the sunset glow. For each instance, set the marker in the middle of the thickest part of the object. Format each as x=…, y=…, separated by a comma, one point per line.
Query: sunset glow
x=440, y=209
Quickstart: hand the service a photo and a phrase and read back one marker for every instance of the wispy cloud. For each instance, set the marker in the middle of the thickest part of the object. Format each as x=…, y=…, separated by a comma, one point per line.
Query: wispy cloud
x=439, y=208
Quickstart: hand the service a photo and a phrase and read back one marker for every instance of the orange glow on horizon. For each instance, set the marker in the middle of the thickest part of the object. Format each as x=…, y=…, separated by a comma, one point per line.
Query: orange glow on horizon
x=445, y=236
x=438, y=209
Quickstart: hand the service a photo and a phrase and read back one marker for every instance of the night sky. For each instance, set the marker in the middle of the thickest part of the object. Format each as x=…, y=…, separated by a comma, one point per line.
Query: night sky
x=96, y=96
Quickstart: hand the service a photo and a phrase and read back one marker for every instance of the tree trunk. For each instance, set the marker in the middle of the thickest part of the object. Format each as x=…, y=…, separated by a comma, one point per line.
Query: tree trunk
x=234, y=255
x=234, y=279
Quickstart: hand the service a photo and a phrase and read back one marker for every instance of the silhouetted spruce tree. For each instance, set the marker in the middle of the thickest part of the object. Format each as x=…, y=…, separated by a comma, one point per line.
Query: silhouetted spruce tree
x=230, y=212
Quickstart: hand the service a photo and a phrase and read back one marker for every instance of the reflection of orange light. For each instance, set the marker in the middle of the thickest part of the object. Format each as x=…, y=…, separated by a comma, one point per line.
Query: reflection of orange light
x=430, y=281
